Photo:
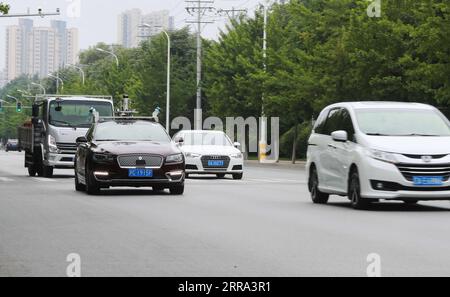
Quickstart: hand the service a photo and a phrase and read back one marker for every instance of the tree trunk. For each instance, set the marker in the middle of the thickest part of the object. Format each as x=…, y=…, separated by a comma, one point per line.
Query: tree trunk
x=294, y=144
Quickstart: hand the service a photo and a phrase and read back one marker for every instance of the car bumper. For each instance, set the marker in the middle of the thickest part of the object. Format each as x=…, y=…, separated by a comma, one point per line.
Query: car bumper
x=195, y=166
x=382, y=180
x=167, y=175
x=60, y=160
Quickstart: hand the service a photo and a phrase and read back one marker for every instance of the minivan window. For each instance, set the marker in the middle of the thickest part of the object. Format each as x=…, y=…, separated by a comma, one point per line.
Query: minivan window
x=333, y=121
x=320, y=125
x=402, y=122
x=347, y=124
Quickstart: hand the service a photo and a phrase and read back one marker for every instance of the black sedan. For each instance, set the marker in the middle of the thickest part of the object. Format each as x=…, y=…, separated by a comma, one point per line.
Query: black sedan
x=128, y=152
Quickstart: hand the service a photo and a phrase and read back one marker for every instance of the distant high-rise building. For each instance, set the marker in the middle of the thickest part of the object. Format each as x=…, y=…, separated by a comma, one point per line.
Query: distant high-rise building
x=131, y=32
x=3, y=78
x=39, y=50
x=128, y=27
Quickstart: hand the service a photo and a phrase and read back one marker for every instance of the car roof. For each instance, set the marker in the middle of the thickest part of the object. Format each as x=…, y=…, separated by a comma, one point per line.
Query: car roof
x=382, y=104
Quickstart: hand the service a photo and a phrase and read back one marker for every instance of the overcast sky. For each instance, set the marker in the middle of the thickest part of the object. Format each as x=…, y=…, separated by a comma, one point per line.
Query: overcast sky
x=97, y=19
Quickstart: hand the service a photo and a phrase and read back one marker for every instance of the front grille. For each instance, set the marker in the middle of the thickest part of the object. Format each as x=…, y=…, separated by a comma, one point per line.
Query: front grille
x=67, y=148
x=140, y=161
x=225, y=159
x=411, y=170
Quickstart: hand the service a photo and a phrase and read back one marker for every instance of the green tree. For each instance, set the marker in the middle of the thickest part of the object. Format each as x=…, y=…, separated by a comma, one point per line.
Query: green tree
x=4, y=8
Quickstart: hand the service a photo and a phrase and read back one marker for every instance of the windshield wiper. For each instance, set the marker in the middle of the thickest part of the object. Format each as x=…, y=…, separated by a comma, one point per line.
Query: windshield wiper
x=377, y=134
x=64, y=123
x=418, y=134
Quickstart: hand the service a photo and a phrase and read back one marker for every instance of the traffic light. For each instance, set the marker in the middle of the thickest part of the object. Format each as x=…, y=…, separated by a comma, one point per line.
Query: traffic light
x=19, y=107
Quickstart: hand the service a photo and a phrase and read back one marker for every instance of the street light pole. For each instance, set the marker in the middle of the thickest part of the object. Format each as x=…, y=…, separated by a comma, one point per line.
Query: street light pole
x=58, y=80
x=110, y=53
x=40, y=86
x=263, y=129
x=83, y=76
x=168, y=77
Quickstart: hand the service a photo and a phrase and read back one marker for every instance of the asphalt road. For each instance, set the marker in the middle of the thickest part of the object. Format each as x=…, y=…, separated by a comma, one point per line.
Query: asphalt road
x=264, y=225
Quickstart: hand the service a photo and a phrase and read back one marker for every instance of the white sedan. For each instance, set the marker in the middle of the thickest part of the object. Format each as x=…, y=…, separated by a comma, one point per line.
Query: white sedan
x=210, y=152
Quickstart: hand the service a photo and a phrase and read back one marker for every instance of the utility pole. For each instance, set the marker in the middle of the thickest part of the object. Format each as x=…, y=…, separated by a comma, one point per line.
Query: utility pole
x=199, y=8
x=263, y=128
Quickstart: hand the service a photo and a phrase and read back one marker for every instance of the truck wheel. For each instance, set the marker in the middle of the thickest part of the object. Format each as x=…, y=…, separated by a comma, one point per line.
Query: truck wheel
x=47, y=171
x=32, y=171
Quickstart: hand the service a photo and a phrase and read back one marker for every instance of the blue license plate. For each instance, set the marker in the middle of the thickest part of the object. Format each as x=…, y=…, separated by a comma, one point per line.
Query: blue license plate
x=216, y=163
x=140, y=172
x=428, y=180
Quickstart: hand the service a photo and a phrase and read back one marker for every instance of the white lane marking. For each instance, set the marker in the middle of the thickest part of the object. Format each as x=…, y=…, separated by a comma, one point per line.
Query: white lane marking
x=248, y=180
x=6, y=179
x=45, y=180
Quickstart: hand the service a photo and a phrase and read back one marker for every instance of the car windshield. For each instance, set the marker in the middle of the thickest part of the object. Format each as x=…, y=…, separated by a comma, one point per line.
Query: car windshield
x=131, y=131
x=77, y=113
x=402, y=122
x=206, y=138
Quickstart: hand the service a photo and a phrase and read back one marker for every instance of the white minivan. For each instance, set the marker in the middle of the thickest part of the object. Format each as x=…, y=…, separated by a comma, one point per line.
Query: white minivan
x=370, y=151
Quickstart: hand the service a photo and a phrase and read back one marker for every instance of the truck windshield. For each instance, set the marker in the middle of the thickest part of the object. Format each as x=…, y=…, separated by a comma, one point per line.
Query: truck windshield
x=402, y=122
x=71, y=113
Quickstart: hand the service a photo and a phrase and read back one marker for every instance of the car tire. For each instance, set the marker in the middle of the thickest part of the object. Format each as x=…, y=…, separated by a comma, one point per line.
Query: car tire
x=78, y=186
x=317, y=196
x=92, y=186
x=177, y=190
x=47, y=171
x=32, y=171
x=354, y=192
x=238, y=176
x=220, y=175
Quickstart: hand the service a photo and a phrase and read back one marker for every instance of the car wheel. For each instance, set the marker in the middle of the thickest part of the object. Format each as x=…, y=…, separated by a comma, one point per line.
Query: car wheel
x=220, y=175
x=78, y=186
x=354, y=192
x=317, y=196
x=238, y=176
x=92, y=186
x=177, y=190
x=47, y=171
x=31, y=171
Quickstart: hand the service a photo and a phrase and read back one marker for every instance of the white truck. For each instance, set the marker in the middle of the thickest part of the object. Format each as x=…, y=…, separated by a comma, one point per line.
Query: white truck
x=49, y=138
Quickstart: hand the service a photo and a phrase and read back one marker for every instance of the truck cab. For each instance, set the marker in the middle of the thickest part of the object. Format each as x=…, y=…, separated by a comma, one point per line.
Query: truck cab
x=49, y=139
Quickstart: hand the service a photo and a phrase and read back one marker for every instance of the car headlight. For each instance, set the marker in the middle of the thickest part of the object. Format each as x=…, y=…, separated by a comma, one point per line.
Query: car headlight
x=98, y=157
x=53, y=148
x=178, y=158
x=237, y=156
x=193, y=155
x=382, y=156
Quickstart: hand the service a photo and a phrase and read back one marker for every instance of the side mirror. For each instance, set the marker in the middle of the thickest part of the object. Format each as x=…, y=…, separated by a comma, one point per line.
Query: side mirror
x=81, y=140
x=237, y=145
x=340, y=136
x=35, y=111
x=179, y=140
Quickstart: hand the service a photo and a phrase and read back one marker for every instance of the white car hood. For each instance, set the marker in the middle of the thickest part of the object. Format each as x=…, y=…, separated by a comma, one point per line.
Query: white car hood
x=414, y=145
x=210, y=149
